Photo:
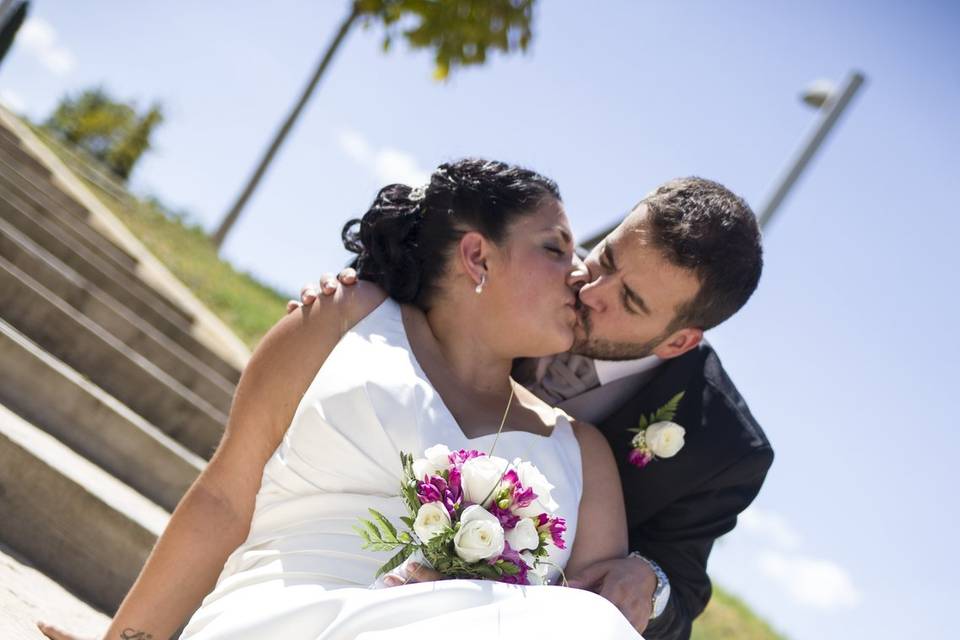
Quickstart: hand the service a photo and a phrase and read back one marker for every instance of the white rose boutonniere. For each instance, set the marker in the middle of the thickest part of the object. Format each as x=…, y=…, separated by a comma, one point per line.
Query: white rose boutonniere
x=657, y=436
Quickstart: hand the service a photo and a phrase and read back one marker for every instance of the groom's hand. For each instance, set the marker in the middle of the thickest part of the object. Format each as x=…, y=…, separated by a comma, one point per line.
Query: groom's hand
x=327, y=286
x=628, y=583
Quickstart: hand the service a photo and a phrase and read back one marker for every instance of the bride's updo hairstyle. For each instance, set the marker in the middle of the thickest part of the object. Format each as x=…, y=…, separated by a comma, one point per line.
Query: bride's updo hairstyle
x=403, y=242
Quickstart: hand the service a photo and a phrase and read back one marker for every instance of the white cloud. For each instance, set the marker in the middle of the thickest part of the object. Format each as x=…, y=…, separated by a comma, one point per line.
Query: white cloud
x=387, y=164
x=771, y=526
x=814, y=582
x=40, y=38
x=12, y=100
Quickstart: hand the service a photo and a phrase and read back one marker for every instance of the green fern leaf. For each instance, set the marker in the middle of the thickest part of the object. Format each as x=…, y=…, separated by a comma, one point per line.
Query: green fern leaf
x=396, y=560
x=669, y=410
x=389, y=531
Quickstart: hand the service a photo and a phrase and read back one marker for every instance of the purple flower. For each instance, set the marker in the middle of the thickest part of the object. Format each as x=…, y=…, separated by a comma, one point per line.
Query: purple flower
x=459, y=457
x=640, y=458
x=431, y=489
x=506, y=517
x=513, y=557
x=455, y=487
x=523, y=497
x=555, y=527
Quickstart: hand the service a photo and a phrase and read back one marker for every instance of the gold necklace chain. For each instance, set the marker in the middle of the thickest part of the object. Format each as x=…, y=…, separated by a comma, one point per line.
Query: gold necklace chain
x=503, y=420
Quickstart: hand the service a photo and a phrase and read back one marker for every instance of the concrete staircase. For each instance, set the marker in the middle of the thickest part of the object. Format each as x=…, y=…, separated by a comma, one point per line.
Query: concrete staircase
x=111, y=398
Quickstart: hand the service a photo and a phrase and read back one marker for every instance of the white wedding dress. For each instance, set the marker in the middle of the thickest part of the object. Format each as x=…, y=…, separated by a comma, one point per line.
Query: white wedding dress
x=302, y=574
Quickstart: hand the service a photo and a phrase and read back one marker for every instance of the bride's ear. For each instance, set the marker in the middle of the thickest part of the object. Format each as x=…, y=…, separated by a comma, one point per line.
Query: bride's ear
x=472, y=253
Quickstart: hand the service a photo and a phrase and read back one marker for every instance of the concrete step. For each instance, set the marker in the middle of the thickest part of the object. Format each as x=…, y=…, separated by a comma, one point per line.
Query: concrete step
x=20, y=207
x=10, y=146
x=49, y=394
x=25, y=165
x=115, y=318
x=28, y=595
x=121, y=283
x=33, y=171
x=75, y=522
x=85, y=346
x=12, y=179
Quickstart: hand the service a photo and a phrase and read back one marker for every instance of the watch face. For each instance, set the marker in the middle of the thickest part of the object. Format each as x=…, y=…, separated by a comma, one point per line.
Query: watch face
x=660, y=600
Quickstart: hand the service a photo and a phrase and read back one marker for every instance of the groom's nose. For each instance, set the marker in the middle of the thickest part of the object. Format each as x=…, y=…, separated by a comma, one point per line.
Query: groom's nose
x=591, y=295
x=579, y=275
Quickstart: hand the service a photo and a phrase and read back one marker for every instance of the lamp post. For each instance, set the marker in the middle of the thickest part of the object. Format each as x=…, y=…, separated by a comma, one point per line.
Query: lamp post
x=831, y=102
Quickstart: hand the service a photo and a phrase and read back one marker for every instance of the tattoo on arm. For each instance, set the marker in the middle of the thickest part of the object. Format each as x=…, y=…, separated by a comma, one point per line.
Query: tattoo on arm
x=134, y=634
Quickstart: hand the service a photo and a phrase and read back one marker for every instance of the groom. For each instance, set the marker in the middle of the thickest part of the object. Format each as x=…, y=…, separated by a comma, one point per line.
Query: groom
x=685, y=259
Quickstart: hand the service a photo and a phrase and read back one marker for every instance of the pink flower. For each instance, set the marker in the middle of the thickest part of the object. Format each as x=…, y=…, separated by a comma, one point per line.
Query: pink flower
x=459, y=457
x=640, y=458
x=506, y=517
x=555, y=526
x=436, y=489
x=513, y=557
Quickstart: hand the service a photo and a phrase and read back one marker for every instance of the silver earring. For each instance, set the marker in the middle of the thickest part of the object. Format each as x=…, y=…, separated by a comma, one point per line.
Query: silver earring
x=483, y=281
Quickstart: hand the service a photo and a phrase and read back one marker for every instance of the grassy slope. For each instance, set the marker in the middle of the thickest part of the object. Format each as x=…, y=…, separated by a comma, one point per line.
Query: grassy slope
x=250, y=308
x=729, y=618
x=246, y=305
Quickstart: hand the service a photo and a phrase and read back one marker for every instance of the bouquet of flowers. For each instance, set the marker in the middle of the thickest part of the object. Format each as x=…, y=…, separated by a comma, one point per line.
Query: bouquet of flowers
x=471, y=515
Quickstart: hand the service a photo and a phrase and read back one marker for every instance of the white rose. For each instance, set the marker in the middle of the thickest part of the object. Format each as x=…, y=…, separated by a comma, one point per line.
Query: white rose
x=480, y=477
x=665, y=438
x=432, y=518
x=524, y=536
x=480, y=536
x=538, y=572
x=531, y=477
x=437, y=459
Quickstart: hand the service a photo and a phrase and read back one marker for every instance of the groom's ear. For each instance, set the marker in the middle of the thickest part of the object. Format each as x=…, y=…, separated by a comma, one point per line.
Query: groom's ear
x=678, y=343
x=472, y=253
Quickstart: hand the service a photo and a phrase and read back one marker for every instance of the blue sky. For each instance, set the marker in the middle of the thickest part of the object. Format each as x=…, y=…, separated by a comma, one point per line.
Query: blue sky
x=846, y=353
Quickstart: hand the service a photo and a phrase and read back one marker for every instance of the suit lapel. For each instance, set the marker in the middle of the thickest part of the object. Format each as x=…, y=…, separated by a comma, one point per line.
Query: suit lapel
x=649, y=489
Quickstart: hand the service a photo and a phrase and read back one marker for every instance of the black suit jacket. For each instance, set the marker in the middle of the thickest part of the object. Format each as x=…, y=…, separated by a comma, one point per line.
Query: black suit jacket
x=677, y=507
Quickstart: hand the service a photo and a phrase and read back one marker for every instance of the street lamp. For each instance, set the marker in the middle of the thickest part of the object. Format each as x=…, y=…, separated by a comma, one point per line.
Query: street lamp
x=830, y=101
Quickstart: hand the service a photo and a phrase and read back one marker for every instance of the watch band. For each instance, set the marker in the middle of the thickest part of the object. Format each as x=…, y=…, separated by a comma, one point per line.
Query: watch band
x=662, y=593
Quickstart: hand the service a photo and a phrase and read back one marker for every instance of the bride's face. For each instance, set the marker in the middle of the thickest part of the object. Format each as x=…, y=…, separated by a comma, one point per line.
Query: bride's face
x=531, y=300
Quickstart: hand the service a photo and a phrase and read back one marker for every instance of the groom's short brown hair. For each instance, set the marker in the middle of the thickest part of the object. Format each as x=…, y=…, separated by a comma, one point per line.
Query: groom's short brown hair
x=701, y=225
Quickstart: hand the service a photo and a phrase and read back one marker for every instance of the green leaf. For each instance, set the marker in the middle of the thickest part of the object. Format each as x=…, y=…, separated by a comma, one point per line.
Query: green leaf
x=387, y=526
x=397, y=560
x=669, y=410
x=372, y=528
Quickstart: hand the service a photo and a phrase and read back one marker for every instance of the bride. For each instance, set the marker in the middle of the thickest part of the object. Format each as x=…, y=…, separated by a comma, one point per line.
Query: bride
x=459, y=278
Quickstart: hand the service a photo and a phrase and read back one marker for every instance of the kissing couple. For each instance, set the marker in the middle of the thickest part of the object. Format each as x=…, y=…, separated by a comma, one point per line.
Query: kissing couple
x=471, y=322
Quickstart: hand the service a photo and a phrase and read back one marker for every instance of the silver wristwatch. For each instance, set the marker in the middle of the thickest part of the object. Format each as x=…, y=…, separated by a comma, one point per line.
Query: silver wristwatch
x=662, y=593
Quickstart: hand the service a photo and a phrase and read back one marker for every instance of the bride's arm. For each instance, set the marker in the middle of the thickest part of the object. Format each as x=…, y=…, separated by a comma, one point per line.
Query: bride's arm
x=214, y=516
x=602, y=520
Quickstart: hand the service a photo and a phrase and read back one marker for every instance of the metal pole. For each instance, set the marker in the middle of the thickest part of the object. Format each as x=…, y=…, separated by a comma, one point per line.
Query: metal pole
x=830, y=113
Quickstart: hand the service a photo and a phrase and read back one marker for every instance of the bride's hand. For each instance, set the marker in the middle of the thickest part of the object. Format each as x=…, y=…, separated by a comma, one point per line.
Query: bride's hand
x=328, y=286
x=415, y=573
x=55, y=633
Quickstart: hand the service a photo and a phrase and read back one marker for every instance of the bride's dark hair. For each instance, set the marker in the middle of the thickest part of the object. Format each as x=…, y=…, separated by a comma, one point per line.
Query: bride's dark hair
x=404, y=240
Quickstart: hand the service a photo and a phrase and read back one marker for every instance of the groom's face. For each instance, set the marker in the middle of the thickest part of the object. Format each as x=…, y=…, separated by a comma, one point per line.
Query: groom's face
x=631, y=295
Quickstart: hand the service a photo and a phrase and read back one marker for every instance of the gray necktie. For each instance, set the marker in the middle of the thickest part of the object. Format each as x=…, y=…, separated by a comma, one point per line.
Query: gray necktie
x=568, y=375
